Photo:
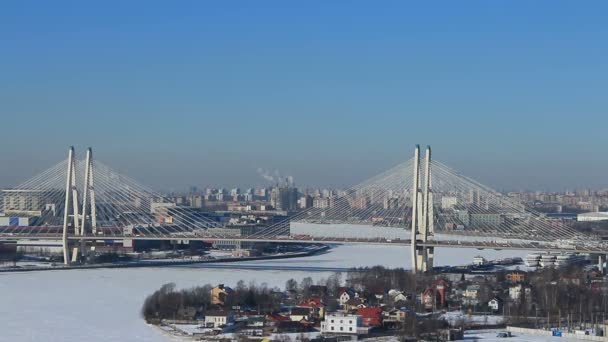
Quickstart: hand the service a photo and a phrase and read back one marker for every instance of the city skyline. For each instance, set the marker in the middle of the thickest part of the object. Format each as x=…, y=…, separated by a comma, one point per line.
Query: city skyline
x=331, y=94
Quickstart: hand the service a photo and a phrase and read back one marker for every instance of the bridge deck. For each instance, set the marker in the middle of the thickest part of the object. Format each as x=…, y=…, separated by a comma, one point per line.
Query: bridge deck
x=531, y=246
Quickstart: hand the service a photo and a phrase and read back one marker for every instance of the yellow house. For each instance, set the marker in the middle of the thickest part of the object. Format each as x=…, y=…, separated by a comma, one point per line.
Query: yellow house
x=220, y=293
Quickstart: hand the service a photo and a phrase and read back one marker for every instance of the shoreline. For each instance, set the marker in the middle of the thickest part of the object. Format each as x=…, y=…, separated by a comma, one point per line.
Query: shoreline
x=137, y=264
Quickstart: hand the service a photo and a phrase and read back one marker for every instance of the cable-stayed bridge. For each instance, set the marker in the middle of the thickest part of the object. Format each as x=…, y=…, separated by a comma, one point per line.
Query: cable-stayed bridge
x=420, y=202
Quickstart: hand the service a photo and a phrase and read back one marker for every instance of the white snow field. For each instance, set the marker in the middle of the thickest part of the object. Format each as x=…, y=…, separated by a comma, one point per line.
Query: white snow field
x=104, y=304
x=517, y=337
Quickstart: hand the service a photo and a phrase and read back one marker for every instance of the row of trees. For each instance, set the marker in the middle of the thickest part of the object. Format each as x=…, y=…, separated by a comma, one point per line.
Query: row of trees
x=379, y=279
x=567, y=294
x=170, y=303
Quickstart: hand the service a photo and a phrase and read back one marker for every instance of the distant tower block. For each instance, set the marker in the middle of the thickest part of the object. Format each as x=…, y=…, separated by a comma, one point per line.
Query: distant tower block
x=422, y=214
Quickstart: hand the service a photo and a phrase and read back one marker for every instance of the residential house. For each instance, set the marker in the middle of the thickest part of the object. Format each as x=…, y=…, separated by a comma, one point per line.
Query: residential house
x=218, y=318
x=315, y=306
x=429, y=298
x=397, y=296
x=519, y=292
x=354, y=304
x=471, y=295
x=298, y=314
x=392, y=318
x=495, y=304
x=516, y=276
x=370, y=317
x=346, y=294
x=442, y=288
x=343, y=324
x=220, y=293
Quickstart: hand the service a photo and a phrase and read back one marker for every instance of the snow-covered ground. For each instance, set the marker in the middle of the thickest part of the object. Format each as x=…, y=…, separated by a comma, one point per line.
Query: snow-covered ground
x=104, y=304
x=454, y=317
x=517, y=337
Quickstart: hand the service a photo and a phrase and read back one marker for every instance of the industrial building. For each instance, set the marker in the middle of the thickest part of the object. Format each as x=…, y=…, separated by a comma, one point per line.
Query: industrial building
x=590, y=217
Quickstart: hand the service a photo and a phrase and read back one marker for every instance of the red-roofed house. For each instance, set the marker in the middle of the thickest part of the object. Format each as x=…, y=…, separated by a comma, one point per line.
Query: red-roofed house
x=429, y=298
x=442, y=287
x=277, y=318
x=315, y=306
x=371, y=317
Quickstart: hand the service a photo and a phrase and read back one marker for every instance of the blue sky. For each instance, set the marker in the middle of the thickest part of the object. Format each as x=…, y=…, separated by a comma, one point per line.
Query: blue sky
x=173, y=93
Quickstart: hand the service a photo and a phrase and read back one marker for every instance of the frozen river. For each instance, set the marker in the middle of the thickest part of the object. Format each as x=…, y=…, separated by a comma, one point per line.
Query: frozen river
x=104, y=304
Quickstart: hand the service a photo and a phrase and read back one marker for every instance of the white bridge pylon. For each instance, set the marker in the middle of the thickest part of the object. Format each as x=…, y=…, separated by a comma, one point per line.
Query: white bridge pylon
x=422, y=214
x=76, y=219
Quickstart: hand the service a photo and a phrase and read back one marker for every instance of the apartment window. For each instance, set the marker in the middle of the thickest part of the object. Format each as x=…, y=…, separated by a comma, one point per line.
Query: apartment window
x=332, y=320
x=332, y=328
x=350, y=329
x=341, y=321
x=350, y=322
x=341, y=328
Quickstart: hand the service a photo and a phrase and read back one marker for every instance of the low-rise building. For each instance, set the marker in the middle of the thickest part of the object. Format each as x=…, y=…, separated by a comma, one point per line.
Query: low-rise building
x=298, y=314
x=397, y=296
x=471, y=294
x=393, y=317
x=519, y=291
x=315, y=306
x=218, y=318
x=345, y=295
x=370, y=317
x=495, y=304
x=516, y=276
x=354, y=304
x=220, y=294
x=429, y=298
x=343, y=324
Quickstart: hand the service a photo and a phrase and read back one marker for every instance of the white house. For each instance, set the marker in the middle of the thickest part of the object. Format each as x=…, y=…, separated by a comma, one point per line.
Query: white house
x=397, y=296
x=471, y=294
x=515, y=292
x=218, y=318
x=346, y=295
x=495, y=304
x=343, y=324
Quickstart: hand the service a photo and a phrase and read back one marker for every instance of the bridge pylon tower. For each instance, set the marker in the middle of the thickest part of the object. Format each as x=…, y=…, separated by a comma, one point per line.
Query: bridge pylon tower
x=423, y=225
x=71, y=214
x=88, y=208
